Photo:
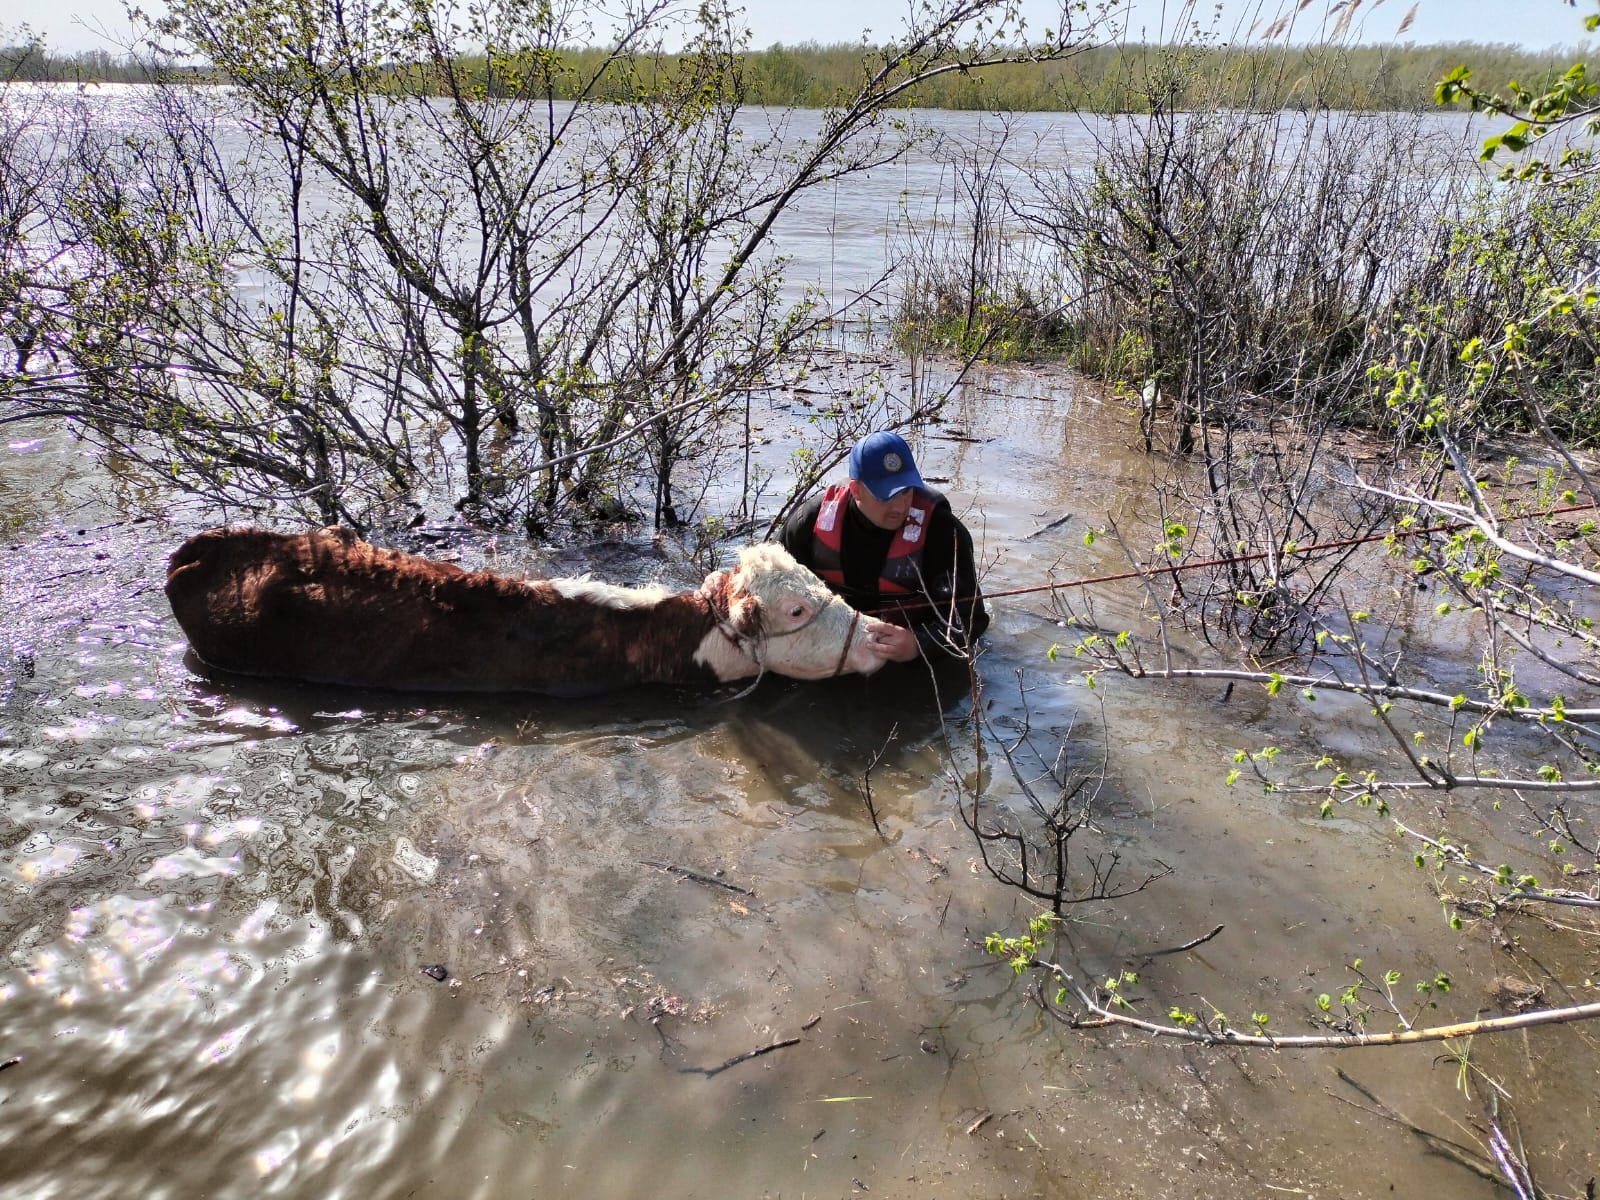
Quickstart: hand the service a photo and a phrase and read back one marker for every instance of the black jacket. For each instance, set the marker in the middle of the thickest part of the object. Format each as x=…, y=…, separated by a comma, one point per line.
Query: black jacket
x=947, y=566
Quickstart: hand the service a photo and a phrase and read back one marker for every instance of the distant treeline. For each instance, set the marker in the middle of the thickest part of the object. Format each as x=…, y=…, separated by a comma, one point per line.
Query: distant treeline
x=1103, y=79
x=1113, y=79
x=32, y=63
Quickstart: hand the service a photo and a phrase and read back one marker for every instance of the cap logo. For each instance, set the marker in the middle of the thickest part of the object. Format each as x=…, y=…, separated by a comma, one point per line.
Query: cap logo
x=891, y=461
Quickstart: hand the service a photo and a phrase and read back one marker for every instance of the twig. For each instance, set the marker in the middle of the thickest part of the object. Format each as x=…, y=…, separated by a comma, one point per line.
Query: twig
x=708, y=1072
x=1455, y=854
x=1384, y=691
x=69, y=574
x=1056, y=524
x=1509, y=1162
x=1199, y=941
x=1444, y=1147
x=866, y=780
x=1101, y=1016
x=708, y=880
x=1485, y=525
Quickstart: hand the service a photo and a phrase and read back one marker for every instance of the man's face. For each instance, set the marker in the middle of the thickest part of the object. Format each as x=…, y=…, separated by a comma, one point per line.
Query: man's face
x=885, y=514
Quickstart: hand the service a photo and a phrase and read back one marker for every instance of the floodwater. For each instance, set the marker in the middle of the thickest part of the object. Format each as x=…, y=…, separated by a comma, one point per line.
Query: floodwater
x=261, y=939
x=221, y=898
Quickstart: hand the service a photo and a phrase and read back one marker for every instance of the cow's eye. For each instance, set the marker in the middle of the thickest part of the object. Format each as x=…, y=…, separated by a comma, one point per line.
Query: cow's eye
x=798, y=611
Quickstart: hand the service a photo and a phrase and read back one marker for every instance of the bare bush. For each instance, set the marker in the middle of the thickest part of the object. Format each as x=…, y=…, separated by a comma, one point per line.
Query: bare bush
x=386, y=263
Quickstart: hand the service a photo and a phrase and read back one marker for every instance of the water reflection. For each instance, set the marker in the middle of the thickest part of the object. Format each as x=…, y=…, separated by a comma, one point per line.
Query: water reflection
x=167, y=1031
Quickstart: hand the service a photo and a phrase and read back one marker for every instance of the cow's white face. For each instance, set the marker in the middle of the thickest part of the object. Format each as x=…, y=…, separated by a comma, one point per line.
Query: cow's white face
x=801, y=628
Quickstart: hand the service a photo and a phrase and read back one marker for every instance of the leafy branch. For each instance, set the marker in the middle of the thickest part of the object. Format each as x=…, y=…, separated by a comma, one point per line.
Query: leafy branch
x=1082, y=1005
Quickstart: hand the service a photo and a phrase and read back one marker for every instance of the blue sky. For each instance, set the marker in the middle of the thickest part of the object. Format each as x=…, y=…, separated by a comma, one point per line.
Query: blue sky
x=1535, y=24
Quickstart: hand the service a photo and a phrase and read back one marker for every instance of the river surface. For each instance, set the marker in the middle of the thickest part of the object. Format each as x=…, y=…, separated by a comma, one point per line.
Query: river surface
x=260, y=939
x=221, y=897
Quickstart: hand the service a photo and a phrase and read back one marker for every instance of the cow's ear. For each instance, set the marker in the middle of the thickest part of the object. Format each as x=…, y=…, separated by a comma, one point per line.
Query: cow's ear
x=745, y=614
x=717, y=588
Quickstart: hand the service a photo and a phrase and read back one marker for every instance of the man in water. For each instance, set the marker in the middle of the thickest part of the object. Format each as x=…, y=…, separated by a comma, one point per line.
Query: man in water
x=889, y=544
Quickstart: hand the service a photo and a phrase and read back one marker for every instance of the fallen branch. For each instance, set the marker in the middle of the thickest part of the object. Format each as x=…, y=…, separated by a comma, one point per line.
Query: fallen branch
x=1100, y=1016
x=1199, y=941
x=708, y=1072
x=1510, y=1162
x=1056, y=524
x=708, y=880
x=1461, y=1155
x=1374, y=692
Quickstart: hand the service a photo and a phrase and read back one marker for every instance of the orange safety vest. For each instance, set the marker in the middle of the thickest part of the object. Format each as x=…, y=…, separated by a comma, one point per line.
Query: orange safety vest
x=902, y=566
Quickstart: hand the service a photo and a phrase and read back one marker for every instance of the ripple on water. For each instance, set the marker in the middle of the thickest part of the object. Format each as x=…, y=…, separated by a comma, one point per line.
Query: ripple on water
x=141, y=1027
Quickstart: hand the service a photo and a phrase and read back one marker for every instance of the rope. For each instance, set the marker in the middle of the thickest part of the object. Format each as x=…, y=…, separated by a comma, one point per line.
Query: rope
x=850, y=636
x=1175, y=568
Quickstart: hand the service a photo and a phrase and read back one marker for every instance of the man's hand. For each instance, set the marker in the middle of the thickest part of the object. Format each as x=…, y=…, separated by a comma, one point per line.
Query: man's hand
x=892, y=643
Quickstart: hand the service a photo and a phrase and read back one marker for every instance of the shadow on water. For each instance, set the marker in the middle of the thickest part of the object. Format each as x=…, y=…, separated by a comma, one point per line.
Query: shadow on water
x=901, y=705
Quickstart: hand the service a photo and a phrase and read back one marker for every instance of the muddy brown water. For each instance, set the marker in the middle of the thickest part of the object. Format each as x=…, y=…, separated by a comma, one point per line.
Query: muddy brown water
x=221, y=895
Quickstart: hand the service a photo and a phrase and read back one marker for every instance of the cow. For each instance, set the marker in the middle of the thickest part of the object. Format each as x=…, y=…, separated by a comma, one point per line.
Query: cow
x=326, y=607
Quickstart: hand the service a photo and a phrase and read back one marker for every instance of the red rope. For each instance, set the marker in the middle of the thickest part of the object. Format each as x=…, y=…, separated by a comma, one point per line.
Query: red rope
x=1242, y=558
x=1174, y=568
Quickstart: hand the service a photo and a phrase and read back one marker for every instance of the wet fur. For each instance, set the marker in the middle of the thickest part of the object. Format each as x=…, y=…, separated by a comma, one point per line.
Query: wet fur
x=326, y=607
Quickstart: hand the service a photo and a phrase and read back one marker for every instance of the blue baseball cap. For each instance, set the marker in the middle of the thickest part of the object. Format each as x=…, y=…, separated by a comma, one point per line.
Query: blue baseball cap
x=882, y=462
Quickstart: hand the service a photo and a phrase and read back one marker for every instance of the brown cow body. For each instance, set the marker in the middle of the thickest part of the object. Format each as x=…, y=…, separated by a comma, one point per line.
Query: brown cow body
x=326, y=607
